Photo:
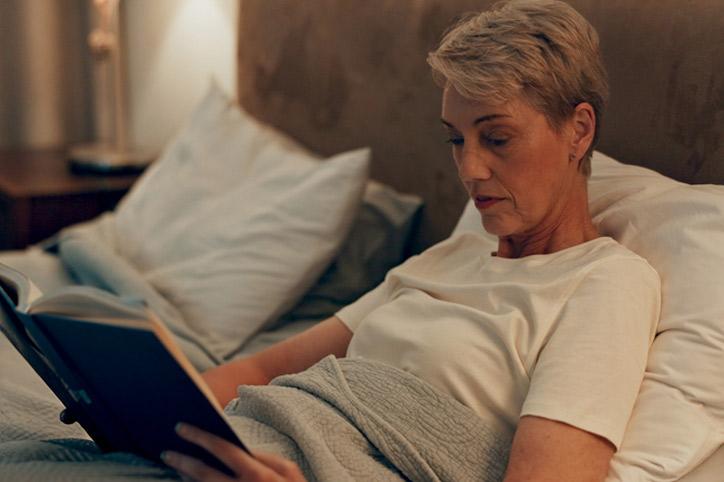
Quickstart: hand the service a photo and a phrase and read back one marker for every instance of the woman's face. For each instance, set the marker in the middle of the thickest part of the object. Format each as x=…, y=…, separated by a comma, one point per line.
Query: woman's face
x=513, y=164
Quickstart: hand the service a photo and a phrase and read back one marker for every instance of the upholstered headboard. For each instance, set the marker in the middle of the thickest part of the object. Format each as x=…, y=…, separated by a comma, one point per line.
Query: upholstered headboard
x=338, y=74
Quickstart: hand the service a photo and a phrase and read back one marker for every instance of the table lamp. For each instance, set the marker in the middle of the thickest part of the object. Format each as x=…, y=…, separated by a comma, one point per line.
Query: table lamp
x=115, y=155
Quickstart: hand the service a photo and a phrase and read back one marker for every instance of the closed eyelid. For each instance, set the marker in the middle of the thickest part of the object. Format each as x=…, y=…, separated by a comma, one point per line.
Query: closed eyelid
x=495, y=134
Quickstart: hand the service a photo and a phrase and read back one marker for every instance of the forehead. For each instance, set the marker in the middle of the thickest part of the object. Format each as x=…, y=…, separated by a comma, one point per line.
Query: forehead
x=461, y=111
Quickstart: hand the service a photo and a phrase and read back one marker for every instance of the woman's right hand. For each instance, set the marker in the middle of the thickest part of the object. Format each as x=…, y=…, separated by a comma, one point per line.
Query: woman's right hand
x=260, y=467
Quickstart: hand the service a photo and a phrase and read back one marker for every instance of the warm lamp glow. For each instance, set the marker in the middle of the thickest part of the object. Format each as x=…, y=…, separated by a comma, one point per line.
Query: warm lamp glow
x=174, y=48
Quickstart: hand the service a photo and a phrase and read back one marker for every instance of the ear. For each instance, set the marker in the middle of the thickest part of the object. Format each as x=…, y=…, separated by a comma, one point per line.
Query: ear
x=584, y=128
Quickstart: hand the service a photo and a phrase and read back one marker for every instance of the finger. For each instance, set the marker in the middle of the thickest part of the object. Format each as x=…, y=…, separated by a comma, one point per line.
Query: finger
x=282, y=466
x=235, y=458
x=193, y=468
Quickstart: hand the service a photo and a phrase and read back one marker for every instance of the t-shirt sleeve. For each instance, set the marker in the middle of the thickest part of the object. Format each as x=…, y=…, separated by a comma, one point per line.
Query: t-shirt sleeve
x=353, y=314
x=589, y=372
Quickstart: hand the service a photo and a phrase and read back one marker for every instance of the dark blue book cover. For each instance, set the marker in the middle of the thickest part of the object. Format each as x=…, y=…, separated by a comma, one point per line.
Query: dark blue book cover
x=128, y=373
x=114, y=366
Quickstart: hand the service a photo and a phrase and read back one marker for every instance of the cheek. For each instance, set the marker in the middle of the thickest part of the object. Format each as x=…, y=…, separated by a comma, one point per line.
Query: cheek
x=536, y=178
x=532, y=191
x=535, y=192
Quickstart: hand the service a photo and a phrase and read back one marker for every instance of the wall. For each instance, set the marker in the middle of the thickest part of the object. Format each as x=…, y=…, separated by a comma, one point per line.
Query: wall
x=173, y=48
x=337, y=75
x=44, y=73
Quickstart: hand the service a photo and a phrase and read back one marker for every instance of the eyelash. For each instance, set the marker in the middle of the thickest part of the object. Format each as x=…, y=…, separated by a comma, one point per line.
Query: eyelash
x=497, y=142
x=459, y=141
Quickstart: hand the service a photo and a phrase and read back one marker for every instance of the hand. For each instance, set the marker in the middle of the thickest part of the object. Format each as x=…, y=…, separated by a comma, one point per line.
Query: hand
x=260, y=467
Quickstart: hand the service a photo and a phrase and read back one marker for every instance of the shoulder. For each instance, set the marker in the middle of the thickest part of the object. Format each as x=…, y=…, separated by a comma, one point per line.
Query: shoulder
x=611, y=267
x=617, y=287
x=602, y=256
x=610, y=259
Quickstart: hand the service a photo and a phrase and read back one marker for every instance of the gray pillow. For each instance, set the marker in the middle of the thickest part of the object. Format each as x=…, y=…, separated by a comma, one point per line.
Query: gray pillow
x=376, y=244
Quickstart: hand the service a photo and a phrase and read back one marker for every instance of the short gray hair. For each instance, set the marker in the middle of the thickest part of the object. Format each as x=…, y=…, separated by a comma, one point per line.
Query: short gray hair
x=543, y=50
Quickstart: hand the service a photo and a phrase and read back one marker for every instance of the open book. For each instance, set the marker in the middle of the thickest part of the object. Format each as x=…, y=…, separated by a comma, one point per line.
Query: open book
x=114, y=366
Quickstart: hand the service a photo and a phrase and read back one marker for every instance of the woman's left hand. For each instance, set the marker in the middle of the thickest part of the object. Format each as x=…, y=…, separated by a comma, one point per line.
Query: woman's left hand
x=260, y=467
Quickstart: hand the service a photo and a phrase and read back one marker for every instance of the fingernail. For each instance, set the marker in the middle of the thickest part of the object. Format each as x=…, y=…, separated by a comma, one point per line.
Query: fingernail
x=166, y=456
x=180, y=428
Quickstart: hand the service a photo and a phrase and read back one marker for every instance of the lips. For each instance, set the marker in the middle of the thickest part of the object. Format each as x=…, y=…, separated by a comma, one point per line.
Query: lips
x=485, y=202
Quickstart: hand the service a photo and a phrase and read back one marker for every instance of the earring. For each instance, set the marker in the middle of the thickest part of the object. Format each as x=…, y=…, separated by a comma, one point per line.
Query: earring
x=571, y=156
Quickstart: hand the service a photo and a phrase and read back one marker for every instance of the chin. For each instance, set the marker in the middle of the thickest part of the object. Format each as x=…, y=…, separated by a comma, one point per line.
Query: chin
x=497, y=227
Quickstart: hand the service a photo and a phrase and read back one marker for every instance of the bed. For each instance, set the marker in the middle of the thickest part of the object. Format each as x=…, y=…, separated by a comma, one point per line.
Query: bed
x=320, y=78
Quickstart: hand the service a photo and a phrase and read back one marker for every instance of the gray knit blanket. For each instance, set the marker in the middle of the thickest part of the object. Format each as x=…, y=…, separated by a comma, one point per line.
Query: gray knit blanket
x=341, y=420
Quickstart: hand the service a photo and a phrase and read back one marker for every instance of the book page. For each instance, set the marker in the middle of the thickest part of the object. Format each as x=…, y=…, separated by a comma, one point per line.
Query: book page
x=25, y=291
x=87, y=302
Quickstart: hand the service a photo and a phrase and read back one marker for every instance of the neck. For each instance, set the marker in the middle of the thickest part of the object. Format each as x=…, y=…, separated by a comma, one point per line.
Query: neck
x=568, y=226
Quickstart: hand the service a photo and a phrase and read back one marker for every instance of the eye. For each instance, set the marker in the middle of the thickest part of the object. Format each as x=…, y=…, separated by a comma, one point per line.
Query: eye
x=455, y=141
x=497, y=142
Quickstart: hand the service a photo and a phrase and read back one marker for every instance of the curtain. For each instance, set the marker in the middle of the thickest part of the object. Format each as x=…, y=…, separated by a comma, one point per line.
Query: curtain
x=45, y=73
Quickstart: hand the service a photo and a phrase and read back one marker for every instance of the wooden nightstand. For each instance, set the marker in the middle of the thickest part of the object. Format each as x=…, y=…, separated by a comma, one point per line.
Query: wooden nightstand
x=39, y=195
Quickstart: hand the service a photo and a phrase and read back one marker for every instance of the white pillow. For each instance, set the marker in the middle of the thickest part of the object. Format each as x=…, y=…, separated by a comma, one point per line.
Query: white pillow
x=678, y=419
x=679, y=416
x=235, y=221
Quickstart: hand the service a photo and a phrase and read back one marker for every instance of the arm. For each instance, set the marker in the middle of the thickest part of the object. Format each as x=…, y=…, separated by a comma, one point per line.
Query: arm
x=546, y=451
x=587, y=376
x=330, y=337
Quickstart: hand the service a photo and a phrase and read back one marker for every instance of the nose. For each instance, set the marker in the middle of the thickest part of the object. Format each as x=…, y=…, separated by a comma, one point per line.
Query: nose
x=473, y=164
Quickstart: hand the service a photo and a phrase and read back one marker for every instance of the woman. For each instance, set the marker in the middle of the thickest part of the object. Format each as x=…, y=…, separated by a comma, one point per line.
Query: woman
x=559, y=317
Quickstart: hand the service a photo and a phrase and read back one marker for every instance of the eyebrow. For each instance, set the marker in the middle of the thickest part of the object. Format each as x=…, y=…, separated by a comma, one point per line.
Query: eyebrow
x=477, y=121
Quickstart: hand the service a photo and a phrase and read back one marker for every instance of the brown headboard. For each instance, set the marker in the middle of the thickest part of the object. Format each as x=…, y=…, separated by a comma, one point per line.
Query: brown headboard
x=338, y=74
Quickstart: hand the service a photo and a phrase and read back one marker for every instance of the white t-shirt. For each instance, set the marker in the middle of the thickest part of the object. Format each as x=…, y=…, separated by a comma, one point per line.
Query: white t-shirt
x=562, y=336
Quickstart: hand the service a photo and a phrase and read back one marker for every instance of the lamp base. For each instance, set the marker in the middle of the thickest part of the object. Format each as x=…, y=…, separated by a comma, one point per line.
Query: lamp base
x=107, y=159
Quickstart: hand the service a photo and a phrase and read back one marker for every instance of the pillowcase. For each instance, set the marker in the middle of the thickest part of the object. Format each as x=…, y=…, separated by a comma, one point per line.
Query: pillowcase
x=678, y=419
x=679, y=416
x=235, y=221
